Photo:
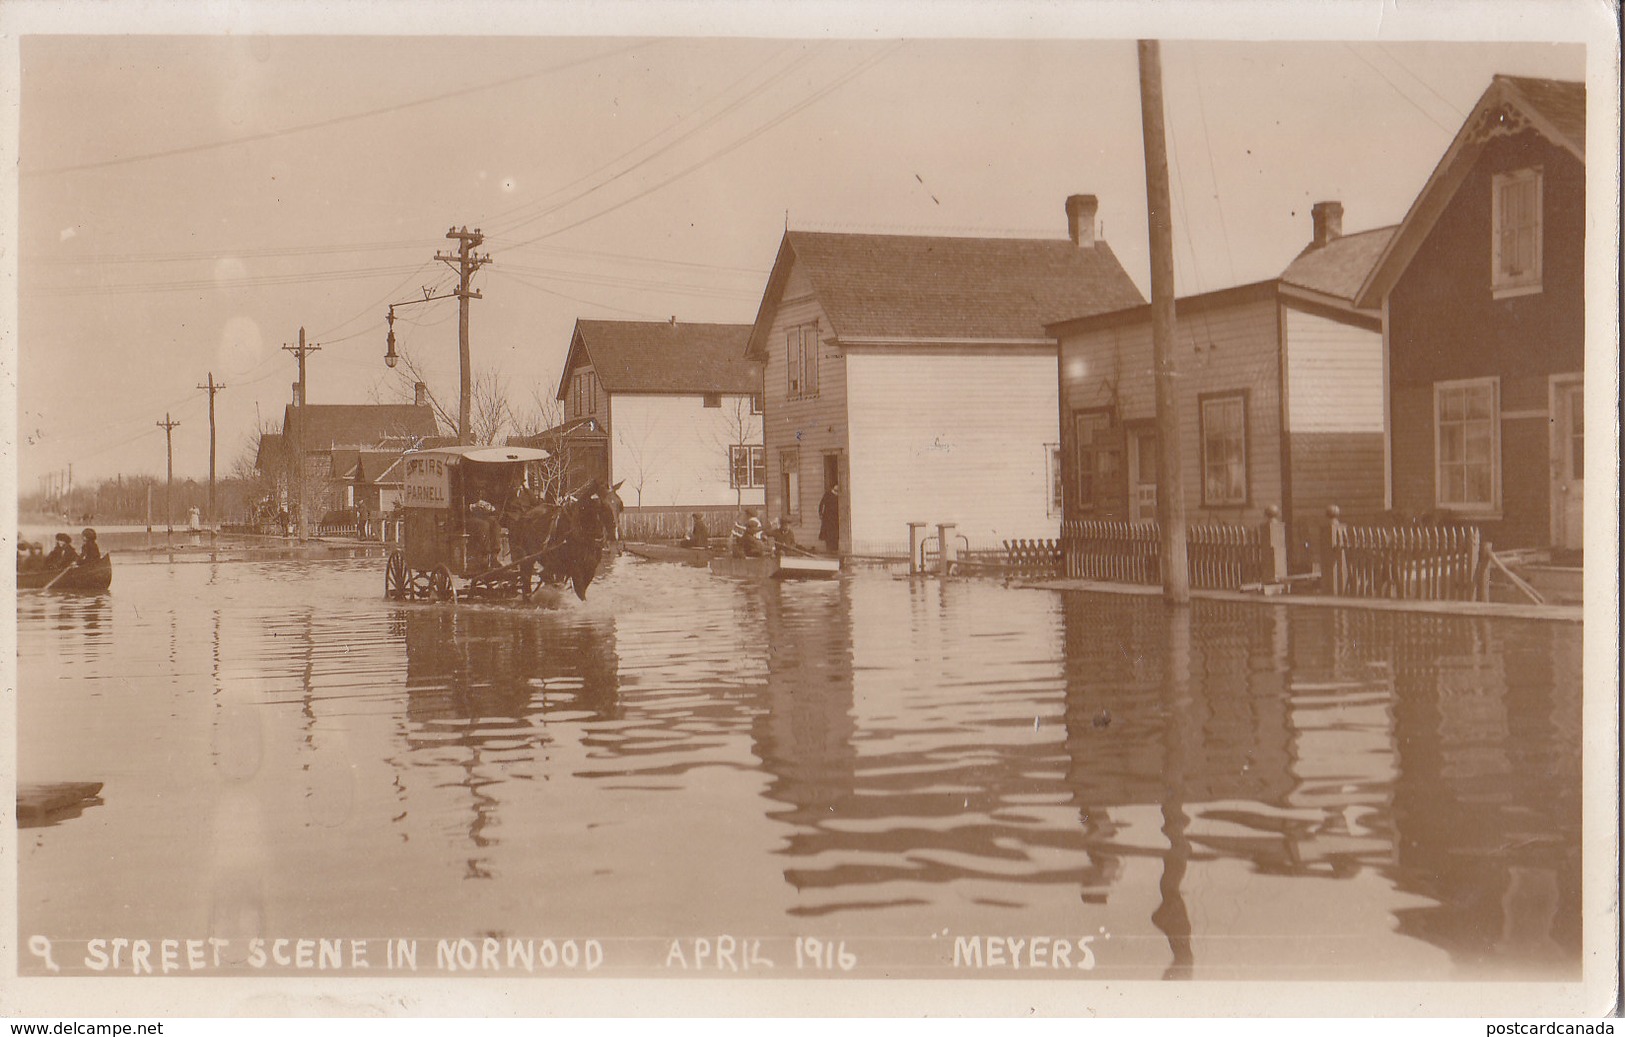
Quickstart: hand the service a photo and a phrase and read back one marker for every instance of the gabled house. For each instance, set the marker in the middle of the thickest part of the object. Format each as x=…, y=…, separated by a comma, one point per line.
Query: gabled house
x=1482, y=292
x=674, y=407
x=1280, y=397
x=915, y=372
x=330, y=435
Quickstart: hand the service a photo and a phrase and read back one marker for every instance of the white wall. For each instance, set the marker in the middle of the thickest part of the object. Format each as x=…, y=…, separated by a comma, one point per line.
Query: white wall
x=676, y=449
x=1334, y=375
x=950, y=435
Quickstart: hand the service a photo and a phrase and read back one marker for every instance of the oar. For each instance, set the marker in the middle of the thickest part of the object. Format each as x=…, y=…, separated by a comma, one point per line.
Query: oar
x=57, y=577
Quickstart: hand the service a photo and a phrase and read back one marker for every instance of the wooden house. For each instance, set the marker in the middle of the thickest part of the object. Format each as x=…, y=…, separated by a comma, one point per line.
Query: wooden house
x=1482, y=293
x=332, y=435
x=1279, y=390
x=915, y=372
x=676, y=407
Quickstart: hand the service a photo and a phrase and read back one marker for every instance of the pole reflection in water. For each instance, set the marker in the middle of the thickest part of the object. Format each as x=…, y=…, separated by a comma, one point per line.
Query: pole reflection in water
x=1236, y=790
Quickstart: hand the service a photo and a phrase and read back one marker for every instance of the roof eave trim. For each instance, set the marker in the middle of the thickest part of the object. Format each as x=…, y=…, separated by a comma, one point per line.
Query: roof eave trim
x=956, y=340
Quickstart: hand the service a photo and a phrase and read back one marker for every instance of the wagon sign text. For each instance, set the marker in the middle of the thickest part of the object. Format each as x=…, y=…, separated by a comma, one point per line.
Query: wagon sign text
x=426, y=484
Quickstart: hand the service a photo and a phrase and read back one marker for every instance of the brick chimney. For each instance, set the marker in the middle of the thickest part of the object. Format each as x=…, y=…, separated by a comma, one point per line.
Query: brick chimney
x=1328, y=221
x=420, y=395
x=1080, y=219
x=297, y=402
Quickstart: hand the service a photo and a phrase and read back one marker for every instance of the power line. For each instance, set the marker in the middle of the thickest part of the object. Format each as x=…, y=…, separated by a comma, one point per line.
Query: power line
x=708, y=121
x=336, y=121
x=202, y=284
x=1402, y=94
x=1213, y=173
x=726, y=149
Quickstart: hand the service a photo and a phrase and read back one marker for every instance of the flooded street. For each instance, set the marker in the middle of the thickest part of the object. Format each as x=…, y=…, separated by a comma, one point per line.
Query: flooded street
x=888, y=777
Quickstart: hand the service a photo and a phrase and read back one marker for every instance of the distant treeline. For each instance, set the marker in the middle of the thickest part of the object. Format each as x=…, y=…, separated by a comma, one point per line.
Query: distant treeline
x=123, y=500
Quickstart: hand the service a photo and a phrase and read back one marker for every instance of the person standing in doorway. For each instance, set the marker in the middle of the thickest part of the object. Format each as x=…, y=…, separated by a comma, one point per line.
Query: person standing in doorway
x=829, y=518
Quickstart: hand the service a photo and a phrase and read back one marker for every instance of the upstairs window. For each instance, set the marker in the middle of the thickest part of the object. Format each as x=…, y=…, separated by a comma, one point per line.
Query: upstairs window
x=801, y=361
x=1516, y=233
x=1224, y=449
x=1466, y=421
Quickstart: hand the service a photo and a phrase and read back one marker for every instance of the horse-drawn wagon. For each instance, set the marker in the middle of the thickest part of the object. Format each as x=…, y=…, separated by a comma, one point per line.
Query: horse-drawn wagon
x=459, y=502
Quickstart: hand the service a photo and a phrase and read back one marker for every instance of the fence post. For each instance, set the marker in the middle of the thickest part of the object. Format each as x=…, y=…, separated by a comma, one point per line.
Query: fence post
x=949, y=553
x=1481, y=579
x=1275, y=543
x=1331, y=573
x=914, y=546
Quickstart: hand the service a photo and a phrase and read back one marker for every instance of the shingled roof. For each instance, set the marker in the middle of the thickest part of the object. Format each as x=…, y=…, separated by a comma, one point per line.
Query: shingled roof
x=329, y=425
x=666, y=357
x=1561, y=103
x=1554, y=108
x=1339, y=267
x=924, y=288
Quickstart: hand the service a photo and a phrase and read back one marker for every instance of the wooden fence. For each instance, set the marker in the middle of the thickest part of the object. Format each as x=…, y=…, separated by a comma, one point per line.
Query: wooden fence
x=1431, y=563
x=649, y=524
x=1220, y=555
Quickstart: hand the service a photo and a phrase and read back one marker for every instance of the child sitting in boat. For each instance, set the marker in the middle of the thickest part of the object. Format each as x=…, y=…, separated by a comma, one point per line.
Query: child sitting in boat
x=698, y=535
x=784, y=538
x=747, y=536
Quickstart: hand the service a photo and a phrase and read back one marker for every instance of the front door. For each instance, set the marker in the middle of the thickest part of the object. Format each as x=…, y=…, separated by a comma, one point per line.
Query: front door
x=1568, y=464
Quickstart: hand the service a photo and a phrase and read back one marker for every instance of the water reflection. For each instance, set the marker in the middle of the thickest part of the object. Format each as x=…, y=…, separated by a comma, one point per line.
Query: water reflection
x=1231, y=790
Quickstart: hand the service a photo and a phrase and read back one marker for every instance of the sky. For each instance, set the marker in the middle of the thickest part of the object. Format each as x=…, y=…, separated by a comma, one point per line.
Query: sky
x=187, y=203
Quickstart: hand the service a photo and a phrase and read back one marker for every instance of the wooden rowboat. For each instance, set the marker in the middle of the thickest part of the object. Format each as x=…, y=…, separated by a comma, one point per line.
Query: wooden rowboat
x=788, y=567
x=97, y=576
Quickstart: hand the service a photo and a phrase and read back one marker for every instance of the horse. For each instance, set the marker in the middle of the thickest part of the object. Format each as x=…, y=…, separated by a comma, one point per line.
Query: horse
x=565, y=540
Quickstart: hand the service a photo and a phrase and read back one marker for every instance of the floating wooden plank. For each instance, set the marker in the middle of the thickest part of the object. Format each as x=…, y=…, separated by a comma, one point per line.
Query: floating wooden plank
x=38, y=801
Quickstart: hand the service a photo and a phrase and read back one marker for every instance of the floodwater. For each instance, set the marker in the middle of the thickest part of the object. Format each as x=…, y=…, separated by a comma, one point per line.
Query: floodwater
x=877, y=776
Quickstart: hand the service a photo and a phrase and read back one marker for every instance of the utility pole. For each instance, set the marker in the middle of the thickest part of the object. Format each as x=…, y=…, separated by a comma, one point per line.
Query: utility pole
x=169, y=484
x=212, y=388
x=300, y=351
x=465, y=262
x=1176, y=580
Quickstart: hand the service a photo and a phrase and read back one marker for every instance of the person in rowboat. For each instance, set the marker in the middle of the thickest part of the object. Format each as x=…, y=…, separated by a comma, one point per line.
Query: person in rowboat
x=784, y=538
x=698, y=535
x=63, y=554
x=89, y=552
x=747, y=536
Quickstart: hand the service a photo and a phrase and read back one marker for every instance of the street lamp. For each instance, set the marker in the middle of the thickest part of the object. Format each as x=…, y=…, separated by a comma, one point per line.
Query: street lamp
x=390, y=357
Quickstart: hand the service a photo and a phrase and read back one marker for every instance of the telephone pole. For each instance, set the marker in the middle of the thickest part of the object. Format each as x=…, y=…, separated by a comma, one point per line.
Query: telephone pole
x=212, y=388
x=1176, y=578
x=169, y=483
x=300, y=351
x=465, y=262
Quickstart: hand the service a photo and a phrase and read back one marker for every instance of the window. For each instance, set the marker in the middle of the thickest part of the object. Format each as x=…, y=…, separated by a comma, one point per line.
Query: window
x=1466, y=421
x=756, y=403
x=713, y=399
x=1100, y=456
x=584, y=393
x=747, y=467
x=1516, y=232
x=1224, y=449
x=801, y=361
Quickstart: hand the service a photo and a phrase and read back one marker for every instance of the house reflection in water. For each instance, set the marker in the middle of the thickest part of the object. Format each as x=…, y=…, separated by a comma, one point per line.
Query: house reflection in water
x=1237, y=781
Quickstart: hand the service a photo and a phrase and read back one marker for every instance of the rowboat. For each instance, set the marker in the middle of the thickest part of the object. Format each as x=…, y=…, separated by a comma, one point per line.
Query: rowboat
x=695, y=556
x=97, y=576
x=787, y=567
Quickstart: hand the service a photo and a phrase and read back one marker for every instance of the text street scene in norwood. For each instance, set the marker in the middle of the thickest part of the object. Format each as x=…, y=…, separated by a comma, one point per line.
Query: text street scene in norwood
x=648, y=507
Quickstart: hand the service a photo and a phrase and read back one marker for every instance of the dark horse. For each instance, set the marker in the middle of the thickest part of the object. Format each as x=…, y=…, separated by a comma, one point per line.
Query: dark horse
x=565, y=540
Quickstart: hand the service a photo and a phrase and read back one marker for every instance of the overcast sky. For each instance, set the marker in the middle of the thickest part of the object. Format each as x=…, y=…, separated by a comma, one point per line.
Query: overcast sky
x=187, y=203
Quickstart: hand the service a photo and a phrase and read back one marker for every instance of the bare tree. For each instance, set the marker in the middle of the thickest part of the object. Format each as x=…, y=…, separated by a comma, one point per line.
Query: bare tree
x=741, y=428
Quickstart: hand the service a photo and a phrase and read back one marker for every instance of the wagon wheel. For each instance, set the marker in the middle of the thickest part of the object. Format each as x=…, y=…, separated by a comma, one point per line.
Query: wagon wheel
x=421, y=585
x=397, y=585
x=440, y=584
